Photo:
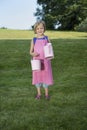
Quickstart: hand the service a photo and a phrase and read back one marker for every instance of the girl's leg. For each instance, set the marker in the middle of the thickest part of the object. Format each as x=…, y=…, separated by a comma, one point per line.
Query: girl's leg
x=38, y=86
x=39, y=91
x=46, y=91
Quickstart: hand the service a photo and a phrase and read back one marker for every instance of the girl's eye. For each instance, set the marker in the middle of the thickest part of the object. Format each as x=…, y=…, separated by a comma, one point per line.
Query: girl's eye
x=37, y=28
x=40, y=28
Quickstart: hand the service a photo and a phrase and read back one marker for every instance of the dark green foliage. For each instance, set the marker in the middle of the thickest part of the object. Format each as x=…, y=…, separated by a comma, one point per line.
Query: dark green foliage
x=62, y=14
x=82, y=27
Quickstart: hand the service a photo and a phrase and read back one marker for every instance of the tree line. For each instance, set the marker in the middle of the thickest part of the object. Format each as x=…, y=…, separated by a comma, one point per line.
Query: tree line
x=62, y=14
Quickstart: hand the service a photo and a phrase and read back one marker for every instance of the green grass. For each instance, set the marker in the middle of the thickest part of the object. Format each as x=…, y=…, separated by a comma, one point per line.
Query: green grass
x=67, y=109
x=28, y=34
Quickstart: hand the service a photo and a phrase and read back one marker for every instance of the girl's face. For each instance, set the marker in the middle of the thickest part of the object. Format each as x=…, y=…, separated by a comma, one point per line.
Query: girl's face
x=40, y=30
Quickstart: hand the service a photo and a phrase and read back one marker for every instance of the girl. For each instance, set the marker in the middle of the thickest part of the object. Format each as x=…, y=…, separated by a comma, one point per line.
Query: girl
x=42, y=78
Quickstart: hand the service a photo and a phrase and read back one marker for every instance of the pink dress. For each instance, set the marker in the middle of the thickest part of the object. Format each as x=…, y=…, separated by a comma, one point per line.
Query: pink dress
x=45, y=74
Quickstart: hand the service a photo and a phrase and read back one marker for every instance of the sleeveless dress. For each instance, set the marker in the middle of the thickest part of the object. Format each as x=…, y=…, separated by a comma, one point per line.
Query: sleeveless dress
x=45, y=74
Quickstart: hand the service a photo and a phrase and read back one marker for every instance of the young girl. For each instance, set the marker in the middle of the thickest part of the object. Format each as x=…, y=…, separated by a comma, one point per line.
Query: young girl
x=42, y=78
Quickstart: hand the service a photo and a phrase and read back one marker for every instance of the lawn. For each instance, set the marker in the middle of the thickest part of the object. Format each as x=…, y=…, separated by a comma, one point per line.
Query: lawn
x=67, y=108
x=28, y=34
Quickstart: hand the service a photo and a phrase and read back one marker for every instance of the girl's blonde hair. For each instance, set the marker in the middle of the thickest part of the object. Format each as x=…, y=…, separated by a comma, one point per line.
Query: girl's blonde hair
x=38, y=23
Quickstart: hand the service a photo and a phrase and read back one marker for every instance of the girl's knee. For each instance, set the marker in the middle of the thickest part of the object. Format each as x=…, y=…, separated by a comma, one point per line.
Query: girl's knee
x=45, y=85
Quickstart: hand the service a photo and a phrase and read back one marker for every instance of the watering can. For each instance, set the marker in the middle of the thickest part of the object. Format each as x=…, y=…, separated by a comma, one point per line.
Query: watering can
x=48, y=51
x=35, y=64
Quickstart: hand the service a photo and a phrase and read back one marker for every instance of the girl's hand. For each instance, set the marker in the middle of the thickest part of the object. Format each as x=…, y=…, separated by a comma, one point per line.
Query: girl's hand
x=35, y=54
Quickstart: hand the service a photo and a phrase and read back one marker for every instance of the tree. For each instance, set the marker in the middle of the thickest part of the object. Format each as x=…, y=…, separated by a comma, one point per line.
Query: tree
x=82, y=27
x=3, y=27
x=67, y=13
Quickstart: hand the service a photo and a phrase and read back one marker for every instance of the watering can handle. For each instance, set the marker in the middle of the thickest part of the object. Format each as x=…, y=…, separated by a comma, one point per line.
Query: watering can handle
x=46, y=40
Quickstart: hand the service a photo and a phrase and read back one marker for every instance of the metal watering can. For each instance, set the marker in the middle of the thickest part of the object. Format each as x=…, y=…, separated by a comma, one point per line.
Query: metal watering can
x=35, y=64
x=48, y=51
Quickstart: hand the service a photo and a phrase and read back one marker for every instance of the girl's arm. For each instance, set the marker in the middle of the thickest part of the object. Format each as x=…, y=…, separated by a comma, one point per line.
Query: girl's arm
x=48, y=40
x=32, y=53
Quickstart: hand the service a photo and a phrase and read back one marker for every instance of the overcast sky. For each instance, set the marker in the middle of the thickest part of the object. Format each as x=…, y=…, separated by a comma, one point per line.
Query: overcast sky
x=17, y=14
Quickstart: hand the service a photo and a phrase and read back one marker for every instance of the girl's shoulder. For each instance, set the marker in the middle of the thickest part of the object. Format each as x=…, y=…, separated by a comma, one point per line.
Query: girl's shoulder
x=34, y=39
x=46, y=37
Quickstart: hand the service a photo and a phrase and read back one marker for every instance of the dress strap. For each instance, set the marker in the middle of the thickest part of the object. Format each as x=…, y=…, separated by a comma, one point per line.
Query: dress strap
x=46, y=37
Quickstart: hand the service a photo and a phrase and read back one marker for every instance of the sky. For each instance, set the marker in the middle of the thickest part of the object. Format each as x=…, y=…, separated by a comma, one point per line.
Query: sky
x=17, y=14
